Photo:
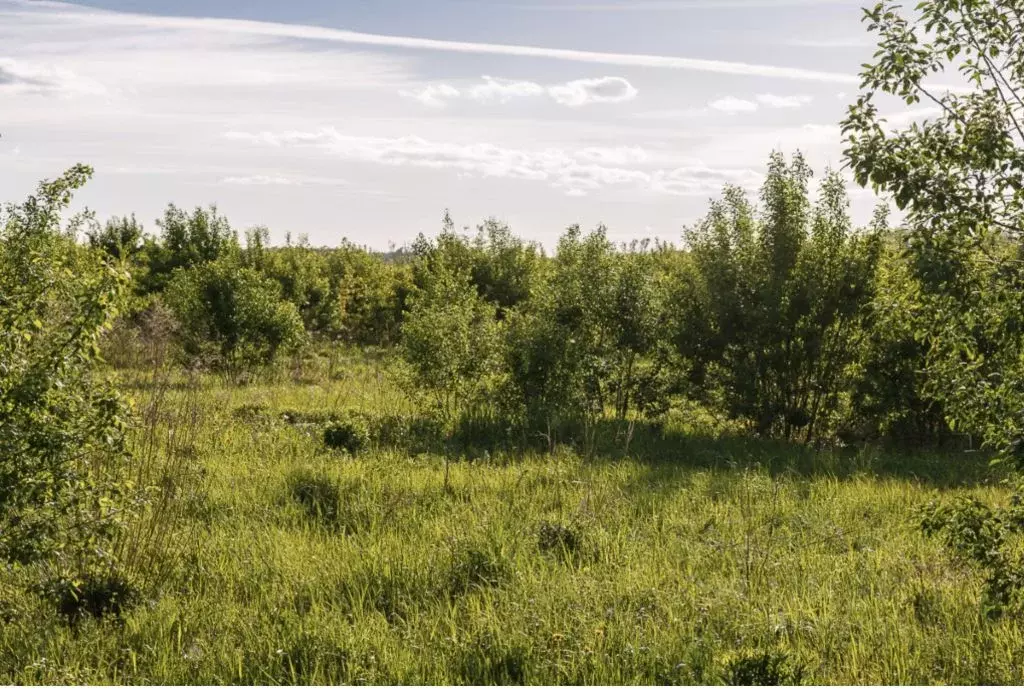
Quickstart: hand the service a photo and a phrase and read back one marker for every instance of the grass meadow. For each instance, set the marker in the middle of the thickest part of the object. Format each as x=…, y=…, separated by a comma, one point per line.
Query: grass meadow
x=687, y=557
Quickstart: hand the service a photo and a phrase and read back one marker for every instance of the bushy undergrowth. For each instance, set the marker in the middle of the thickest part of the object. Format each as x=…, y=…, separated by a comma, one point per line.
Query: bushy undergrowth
x=648, y=498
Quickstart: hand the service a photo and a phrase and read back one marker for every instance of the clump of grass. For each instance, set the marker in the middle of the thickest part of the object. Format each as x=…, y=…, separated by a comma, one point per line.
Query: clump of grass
x=328, y=502
x=252, y=414
x=319, y=495
x=414, y=434
x=299, y=418
x=487, y=659
x=97, y=594
x=475, y=567
x=763, y=668
x=12, y=604
x=565, y=542
x=349, y=433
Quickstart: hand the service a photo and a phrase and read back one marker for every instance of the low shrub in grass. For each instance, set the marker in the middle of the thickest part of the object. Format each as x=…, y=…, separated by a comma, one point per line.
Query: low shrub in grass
x=410, y=433
x=763, y=668
x=349, y=433
x=319, y=495
x=330, y=503
x=474, y=567
x=98, y=594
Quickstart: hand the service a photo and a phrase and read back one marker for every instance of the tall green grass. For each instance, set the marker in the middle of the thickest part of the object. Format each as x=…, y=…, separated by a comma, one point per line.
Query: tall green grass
x=675, y=561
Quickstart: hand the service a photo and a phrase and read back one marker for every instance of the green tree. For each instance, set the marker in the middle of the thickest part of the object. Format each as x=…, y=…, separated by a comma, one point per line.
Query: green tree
x=120, y=237
x=560, y=343
x=770, y=310
x=450, y=339
x=187, y=240
x=889, y=399
x=505, y=268
x=959, y=176
x=61, y=425
x=232, y=316
x=370, y=294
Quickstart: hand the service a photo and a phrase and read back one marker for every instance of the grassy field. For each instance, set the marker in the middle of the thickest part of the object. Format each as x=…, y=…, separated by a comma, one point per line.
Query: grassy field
x=671, y=563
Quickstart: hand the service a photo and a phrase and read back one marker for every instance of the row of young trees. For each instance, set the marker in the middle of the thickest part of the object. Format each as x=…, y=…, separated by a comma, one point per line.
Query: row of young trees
x=776, y=312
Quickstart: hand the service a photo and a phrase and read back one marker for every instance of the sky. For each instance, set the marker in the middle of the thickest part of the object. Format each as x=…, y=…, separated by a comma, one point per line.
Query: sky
x=366, y=119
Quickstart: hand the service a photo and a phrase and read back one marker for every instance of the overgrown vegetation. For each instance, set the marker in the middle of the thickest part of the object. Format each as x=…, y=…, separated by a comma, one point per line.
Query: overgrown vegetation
x=738, y=460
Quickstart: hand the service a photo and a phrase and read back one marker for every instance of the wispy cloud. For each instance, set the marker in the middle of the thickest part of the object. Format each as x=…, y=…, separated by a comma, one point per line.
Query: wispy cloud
x=773, y=101
x=601, y=90
x=283, y=181
x=491, y=90
x=576, y=172
x=670, y=5
x=18, y=76
x=733, y=105
x=503, y=90
x=98, y=19
x=432, y=95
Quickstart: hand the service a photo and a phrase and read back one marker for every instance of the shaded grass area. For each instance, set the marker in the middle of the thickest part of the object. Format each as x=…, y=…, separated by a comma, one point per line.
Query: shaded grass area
x=685, y=558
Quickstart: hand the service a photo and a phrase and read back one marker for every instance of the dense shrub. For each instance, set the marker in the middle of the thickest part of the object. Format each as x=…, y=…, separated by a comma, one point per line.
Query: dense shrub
x=317, y=494
x=766, y=668
x=986, y=536
x=186, y=240
x=232, y=316
x=450, y=340
x=98, y=594
x=350, y=433
x=773, y=308
x=889, y=397
x=61, y=425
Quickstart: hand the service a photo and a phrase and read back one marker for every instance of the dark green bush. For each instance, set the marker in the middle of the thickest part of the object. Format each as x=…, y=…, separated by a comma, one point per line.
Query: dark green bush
x=558, y=538
x=98, y=594
x=349, y=433
x=765, y=668
x=983, y=534
x=474, y=567
x=252, y=413
x=232, y=317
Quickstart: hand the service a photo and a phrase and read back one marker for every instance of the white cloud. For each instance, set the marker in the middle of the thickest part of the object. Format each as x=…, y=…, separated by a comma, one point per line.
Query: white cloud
x=620, y=155
x=259, y=180
x=432, y=95
x=491, y=90
x=673, y=114
x=503, y=90
x=601, y=90
x=282, y=181
x=773, y=101
x=732, y=105
x=576, y=172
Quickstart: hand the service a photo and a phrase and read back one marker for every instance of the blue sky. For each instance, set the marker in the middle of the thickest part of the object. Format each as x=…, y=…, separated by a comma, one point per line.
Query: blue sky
x=366, y=119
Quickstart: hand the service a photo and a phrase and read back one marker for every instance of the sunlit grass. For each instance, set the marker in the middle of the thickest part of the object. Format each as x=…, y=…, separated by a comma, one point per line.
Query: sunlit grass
x=660, y=565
